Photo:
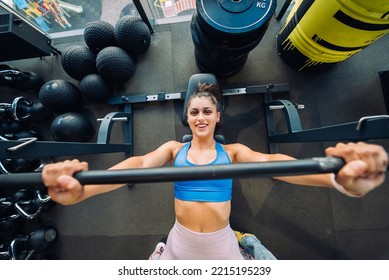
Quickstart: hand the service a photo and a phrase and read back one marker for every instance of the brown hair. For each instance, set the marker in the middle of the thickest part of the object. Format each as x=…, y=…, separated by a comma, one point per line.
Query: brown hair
x=213, y=91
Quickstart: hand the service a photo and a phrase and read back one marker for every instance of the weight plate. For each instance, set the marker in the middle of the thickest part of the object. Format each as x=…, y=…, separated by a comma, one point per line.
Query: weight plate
x=219, y=73
x=208, y=61
x=235, y=16
x=226, y=68
x=214, y=56
x=225, y=47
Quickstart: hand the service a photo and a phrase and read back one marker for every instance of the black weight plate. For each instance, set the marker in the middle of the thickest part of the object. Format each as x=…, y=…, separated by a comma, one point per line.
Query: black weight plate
x=217, y=66
x=211, y=62
x=235, y=17
x=225, y=47
x=216, y=60
x=213, y=57
x=220, y=73
x=233, y=40
x=199, y=48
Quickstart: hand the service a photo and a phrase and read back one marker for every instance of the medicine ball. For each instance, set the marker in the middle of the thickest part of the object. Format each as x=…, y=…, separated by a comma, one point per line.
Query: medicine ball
x=95, y=88
x=61, y=96
x=98, y=35
x=39, y=113
x=132, y=35
x=30, y=81
x=113, y=63
x=78, y=61
x=72, y=127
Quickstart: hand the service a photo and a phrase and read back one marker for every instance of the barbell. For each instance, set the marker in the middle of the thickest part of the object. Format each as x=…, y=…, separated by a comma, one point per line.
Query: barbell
x=317, y=165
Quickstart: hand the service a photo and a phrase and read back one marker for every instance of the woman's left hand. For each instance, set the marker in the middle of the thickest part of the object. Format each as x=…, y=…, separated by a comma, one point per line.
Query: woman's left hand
x=365, y=167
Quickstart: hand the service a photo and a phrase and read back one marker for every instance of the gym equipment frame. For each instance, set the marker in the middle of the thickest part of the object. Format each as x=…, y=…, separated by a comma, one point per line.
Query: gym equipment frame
x=369, y=127
x=366, y=128
x=20, y=38
x=32, y=148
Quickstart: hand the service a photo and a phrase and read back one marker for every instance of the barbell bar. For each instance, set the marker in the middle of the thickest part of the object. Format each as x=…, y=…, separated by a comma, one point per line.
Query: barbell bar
x=317, y=165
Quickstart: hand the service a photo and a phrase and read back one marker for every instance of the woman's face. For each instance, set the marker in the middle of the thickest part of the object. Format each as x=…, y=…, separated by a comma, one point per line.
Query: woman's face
x=202, y=116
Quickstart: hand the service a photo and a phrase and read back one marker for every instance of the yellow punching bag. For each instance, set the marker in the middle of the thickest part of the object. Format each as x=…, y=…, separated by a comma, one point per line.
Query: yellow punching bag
x=318, y=34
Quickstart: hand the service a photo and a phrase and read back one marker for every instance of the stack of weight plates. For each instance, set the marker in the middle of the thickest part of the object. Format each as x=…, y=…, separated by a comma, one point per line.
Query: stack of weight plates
x=225, y=31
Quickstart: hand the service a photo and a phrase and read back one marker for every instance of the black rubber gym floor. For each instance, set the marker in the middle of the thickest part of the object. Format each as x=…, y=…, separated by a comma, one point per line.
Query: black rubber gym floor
x=294, y=222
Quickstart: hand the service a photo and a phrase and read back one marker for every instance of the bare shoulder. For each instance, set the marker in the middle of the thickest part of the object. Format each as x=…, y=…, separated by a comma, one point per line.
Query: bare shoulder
x=242, y=153
x=235, y=147
x=173, y=146
x=160, y=156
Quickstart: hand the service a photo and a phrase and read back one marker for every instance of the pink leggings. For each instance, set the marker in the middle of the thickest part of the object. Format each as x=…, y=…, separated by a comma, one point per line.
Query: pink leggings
x=184, y=244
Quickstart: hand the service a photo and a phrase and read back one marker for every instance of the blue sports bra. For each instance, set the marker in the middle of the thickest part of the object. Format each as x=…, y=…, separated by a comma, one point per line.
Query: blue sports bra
x=215, y=190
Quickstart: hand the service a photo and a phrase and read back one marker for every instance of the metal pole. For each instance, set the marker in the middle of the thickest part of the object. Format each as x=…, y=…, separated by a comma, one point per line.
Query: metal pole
x=170, y=174
x=284, y=7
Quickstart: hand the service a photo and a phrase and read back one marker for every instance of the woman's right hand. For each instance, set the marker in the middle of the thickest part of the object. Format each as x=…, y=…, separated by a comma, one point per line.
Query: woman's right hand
x=63, y=188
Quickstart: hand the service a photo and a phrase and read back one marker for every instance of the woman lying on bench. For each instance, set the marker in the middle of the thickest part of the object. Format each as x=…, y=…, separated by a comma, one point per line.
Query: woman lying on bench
x=202, y=208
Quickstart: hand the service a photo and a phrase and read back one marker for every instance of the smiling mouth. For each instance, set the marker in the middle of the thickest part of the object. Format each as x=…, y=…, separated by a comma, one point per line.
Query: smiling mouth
x=201, y=126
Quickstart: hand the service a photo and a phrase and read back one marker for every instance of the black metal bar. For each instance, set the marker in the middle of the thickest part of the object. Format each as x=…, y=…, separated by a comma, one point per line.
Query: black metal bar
x=125, y=98
x=373, y=129
x=269, y=88
x=128, y=129
x=384, y=79
x=169, y=174
x=46, y=149
x=283, y=9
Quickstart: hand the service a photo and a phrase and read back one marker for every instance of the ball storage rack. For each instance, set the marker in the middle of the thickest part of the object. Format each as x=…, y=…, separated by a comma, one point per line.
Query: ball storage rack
x=32, y=148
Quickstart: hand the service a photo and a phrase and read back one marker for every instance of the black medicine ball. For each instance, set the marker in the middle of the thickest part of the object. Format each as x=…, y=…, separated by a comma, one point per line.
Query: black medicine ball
x=78, y=61
x=113, y=63
x=132, y=35
x=72, y=127
x=99, y=35
x=61, y=96
x=95, y=88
